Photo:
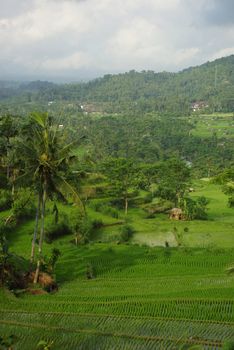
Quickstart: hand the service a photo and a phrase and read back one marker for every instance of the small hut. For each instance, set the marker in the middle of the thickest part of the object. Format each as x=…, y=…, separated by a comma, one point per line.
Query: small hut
x=176, y=214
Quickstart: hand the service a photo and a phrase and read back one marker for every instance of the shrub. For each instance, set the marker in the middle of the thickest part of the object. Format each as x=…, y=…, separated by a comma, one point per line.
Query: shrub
x=45, y=345
x=50, y=262
x=161, y=206
x=202, y=203
x=150, y=216
x=117, y=202
x=11, y=225
x=55, y=230
x=82, y=227
x=126, y=233
x=196, y=209
x=23, y=205
x=97, y=223
x=90, y=272
x=228, y=346
x=178, y=236
x=3, y=180
x=97, y=206
x=231, y=201
x=12, y=267
x=5, y=199
x=100, y=190
x=148, y=198
x=111, y=211
x=7, y=342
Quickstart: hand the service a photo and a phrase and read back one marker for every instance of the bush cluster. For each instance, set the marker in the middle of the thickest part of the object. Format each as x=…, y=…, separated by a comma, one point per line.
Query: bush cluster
x=5, y=199
x=57, y=229
x=23, y=206
x=104, y=208
x=126, y=233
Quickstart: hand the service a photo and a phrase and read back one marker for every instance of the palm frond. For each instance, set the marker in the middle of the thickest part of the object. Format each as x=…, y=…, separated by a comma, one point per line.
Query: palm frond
x=230, y=269
x=70, y=188
x=40, y=118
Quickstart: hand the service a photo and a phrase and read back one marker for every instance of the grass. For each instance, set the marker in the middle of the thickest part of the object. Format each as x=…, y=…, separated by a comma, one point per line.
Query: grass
x=216, y=231
x=219, y=123
x=142, y=297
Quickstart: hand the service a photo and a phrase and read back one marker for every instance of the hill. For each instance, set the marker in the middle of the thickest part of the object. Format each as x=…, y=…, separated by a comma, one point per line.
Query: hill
x=210, y=86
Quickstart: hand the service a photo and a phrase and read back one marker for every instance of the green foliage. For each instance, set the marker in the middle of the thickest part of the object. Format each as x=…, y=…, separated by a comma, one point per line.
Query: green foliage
x=5, y=199
x=226, y=179
x=174, y=179
x=97, y=223
x=195, y=209
x=54, y=230
x=24, y=204
x=201, y=212
x=126, y=296
x=90, y=272
x=143, y=297
x=179, y=236
x=230, y=269
x=126, y=233
x=231, y=201
x=12, y=267
x=111, y=211
x=105, y=208
x=121, y=175
x=191, y=347
x=50, y=262
x=82, y=227
x=45, y=345
x=228, y=346
x=7, y=343
x=159, y=206
x=138, y=92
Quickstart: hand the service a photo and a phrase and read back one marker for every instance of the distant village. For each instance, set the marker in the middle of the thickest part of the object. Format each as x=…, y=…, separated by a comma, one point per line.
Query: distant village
x=199, y=105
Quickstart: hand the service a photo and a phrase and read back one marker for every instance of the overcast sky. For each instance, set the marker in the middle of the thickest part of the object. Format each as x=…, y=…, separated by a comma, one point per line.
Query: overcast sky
x=80, y=39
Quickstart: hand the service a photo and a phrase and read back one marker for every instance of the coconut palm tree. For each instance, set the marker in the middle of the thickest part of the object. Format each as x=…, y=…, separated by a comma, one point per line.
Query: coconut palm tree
x=47, y=160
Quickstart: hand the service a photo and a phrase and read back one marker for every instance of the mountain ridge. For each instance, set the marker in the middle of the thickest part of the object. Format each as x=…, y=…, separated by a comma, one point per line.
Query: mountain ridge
x=145, y=91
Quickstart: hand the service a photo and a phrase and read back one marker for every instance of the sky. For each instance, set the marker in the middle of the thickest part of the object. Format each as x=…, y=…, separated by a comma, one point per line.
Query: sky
x=73, y=40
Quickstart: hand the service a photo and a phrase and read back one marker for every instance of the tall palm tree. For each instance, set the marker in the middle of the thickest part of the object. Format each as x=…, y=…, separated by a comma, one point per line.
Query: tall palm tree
x=47, y=160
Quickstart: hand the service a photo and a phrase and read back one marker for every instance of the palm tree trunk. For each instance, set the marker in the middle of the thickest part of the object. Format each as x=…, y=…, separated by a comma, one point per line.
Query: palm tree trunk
x=41, y=235
x=35, y=230
x=13, y=184
x=8, y=171
x=8, y=166
x=126, y=206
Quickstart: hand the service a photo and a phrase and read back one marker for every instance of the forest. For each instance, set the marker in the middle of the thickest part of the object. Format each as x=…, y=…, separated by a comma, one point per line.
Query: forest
x=133, y=92
x=117, y=211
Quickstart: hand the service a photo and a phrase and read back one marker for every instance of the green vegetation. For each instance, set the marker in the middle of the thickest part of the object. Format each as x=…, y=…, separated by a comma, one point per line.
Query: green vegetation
x=116, y=230
x=134, y=92
x=139, y=297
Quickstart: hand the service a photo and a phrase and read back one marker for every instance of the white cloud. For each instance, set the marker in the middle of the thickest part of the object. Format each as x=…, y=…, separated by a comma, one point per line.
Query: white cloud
x=75, y=61
x=65, y=36
x=185, y=55
x=223, y=52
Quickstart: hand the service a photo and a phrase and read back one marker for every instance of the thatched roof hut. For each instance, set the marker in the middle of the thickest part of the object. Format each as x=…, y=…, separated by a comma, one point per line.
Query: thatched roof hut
x=176, y=214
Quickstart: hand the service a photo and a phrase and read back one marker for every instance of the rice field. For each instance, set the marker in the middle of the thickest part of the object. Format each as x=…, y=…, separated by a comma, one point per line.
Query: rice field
x=139, y=298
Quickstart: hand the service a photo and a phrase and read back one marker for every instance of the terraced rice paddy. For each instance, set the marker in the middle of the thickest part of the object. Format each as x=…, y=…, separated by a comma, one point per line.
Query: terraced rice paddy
x=140, y=298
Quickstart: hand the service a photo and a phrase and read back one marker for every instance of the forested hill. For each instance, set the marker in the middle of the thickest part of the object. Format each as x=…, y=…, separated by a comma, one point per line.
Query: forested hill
x=213, y=82
x=211, y=85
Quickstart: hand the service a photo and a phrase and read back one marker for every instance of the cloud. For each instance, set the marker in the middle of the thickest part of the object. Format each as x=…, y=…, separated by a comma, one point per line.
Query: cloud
x=75, y=61
x=220, y=13
x=66, y=37
x=222, y=53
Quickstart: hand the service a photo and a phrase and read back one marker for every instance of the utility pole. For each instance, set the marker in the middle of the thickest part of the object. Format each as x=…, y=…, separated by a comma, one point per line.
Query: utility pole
x=216, y=72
